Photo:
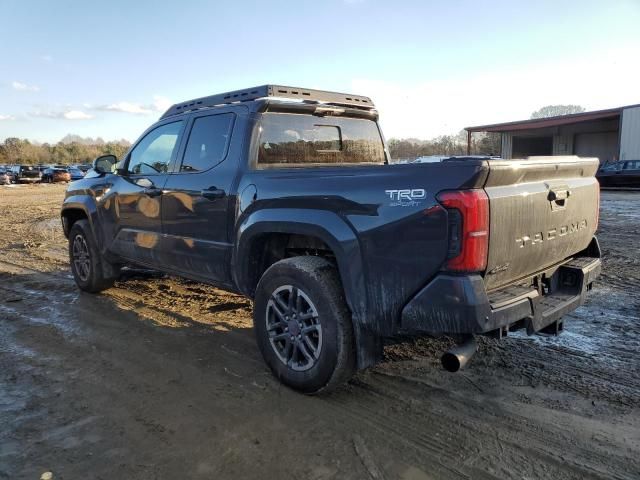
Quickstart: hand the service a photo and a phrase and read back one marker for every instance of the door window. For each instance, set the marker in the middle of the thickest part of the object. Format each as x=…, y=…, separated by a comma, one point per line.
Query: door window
x=152, y=155
x=208, y=142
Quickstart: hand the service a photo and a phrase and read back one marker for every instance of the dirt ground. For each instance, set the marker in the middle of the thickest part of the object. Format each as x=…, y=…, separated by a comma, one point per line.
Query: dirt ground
x=161, y=378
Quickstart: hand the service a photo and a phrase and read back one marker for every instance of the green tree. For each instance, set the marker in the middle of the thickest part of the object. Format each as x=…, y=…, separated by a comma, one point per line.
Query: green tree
x=557, y=110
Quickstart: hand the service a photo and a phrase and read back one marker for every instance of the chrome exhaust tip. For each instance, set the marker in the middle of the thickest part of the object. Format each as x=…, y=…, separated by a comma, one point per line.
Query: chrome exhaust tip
x=457, y=357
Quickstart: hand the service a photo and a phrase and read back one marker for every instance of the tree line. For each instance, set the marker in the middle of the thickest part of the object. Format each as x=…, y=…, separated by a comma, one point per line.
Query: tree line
x=70, y=150
x=412, y=148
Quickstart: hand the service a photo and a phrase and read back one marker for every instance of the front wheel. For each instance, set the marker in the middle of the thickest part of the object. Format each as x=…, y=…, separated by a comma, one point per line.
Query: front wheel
x=303, y=325
x=90, y=272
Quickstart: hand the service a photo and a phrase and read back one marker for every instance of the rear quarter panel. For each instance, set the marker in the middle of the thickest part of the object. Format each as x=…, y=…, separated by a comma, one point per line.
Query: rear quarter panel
x=396, y=246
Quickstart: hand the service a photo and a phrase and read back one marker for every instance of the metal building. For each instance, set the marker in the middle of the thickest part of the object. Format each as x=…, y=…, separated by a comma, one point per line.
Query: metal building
x=610, y=135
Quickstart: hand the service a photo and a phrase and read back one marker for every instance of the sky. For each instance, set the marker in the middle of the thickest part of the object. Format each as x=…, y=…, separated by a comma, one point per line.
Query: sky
x=110, y=69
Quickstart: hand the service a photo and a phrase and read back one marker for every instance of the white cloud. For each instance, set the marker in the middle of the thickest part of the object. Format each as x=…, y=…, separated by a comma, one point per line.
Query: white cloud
x=127, y=107
x=24, y=87
x=64, y=115
x=76, y=115
x=7, y=117
x=447, y=103
x=160, y=104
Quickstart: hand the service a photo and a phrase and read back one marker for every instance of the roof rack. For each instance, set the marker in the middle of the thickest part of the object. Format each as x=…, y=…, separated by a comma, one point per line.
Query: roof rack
x=332, y=98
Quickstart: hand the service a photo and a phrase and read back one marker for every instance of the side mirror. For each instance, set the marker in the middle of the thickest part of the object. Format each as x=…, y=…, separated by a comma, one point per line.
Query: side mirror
x=105, y=163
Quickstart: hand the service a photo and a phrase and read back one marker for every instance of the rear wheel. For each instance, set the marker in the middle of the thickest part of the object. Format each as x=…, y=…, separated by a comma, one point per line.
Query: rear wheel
x=303, y=326
x=90, y=272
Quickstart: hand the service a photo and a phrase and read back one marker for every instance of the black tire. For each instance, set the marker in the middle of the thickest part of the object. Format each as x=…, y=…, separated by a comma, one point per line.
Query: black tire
x=309, y=370
x=90, y=272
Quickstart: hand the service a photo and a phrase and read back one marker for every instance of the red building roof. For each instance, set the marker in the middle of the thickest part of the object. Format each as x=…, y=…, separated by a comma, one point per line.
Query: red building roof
x=550, y=121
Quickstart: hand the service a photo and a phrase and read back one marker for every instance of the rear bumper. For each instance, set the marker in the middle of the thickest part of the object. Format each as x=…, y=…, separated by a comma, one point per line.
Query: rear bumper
x=460, y=304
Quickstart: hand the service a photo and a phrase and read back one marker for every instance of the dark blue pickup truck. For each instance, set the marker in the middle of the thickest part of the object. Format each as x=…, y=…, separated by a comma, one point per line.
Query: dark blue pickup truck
x=287, y=195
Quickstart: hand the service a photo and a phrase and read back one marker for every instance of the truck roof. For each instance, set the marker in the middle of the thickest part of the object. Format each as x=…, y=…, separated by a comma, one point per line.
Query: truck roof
x=272, y=91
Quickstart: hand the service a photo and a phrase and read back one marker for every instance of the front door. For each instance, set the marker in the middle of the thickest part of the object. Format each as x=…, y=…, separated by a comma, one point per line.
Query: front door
x=137, y=194
x=196, y=199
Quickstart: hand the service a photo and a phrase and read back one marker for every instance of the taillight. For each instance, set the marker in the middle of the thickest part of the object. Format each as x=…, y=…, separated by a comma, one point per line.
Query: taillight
x=597, y=206
x=468, y=212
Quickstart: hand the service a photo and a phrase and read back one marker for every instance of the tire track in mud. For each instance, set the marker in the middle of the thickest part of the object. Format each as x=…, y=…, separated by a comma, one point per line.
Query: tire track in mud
x=392, y=430
x=485, y=421
x=20, y=268
x=177, y=303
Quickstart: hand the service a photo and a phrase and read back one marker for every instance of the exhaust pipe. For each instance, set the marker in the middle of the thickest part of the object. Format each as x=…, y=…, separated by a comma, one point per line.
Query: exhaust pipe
x=457, y=357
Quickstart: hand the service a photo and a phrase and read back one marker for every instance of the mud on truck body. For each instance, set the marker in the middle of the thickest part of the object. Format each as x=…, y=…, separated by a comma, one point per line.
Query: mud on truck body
x=287, y=195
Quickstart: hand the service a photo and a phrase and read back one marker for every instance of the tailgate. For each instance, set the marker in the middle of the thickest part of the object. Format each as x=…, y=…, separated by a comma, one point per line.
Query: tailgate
x=542, y=210
x=30, y=173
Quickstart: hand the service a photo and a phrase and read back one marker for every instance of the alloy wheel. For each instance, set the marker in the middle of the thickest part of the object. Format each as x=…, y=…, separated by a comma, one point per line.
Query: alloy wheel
x=294, y=329
x=81, y=257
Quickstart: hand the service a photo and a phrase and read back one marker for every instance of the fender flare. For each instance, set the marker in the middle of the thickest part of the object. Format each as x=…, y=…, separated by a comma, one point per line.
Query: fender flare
x=336, y=233
x=80, y=202
x=325, y=225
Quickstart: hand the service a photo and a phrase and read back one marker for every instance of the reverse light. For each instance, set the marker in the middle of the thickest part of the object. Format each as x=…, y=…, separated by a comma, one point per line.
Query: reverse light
x=468, y=212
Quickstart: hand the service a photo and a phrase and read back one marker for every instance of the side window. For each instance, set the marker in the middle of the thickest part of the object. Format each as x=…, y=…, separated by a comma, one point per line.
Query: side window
x=635, y=165
x=208, y=142
x=153, y=153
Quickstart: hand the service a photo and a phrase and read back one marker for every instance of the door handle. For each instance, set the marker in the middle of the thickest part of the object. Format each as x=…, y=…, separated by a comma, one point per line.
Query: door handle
x=558, y=196
x=212, y=193
x=153, y=192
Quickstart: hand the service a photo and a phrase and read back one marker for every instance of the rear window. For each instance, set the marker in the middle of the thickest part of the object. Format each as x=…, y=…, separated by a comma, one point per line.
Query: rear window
x=298, y=140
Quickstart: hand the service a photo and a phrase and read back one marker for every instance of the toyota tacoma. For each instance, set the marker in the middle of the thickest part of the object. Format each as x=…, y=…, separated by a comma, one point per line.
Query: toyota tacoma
x=288, y=196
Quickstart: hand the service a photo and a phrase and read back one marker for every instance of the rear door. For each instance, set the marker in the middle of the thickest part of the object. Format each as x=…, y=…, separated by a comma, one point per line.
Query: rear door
x=542, y=211
x=198, y=196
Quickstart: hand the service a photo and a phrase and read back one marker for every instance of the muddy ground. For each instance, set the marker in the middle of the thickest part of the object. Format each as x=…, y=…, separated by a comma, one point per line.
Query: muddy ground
x=161, y=378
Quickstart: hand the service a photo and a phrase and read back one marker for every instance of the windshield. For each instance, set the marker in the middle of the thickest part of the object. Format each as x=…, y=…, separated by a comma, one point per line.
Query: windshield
x=298, y=140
